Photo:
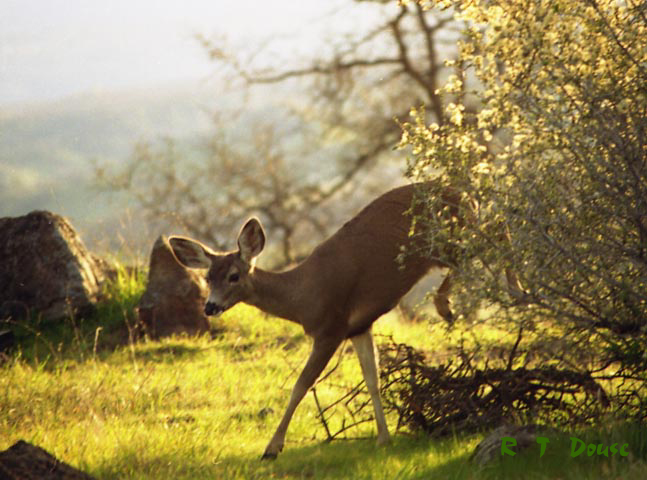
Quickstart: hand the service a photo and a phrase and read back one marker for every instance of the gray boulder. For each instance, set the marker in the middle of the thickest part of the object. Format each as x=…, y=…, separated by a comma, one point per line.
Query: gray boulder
x=174, y=298
x=525, y=436
x=45, y=268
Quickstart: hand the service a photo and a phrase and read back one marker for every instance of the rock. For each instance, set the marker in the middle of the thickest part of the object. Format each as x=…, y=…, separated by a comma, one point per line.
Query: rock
x=525, y=435
x=25, y=461
x=46, y=268
x=174, y=298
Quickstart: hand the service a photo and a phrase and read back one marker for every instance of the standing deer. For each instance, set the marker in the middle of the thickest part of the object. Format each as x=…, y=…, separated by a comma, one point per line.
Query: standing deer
x=337, y=292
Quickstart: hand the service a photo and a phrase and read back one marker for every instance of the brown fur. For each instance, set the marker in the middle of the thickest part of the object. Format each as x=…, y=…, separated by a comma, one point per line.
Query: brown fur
x=347, y=283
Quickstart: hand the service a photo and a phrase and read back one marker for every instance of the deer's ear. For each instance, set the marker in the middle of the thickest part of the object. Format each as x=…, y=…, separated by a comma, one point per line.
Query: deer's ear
x=190, y=253
x=251, y=240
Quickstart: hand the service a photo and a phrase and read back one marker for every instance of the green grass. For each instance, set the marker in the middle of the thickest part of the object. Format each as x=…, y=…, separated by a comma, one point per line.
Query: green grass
x=198, y=408
x=51, y=344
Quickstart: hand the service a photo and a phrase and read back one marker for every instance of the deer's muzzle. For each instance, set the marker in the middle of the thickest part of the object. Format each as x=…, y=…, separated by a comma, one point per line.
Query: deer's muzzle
x=211, y=308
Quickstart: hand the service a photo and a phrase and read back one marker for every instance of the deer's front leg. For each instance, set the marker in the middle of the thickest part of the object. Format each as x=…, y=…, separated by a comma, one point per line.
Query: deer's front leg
x=322, y=351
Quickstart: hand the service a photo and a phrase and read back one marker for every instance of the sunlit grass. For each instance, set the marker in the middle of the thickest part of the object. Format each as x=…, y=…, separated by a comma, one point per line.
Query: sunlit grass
x=206, y=407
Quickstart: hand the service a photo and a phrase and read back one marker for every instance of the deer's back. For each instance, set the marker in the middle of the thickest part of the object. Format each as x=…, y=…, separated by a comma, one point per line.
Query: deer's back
x=361, y=268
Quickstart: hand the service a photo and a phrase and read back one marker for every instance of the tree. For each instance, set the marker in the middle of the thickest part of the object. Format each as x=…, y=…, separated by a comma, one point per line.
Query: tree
x=555, y=154
x=336, y=133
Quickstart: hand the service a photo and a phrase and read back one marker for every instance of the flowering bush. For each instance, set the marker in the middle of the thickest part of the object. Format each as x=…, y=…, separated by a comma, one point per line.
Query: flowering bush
x=547, y=135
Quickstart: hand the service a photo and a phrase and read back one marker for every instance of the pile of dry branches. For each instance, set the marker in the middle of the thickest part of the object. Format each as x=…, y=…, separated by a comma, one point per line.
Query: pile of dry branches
x=457, y=396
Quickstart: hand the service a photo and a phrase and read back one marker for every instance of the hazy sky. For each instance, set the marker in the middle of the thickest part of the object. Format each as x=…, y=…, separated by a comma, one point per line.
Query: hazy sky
x=62, y=50
x=50, y=49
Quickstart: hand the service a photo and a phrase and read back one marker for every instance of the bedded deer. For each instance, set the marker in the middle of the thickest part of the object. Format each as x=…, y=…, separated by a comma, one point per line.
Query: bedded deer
x=337, y=292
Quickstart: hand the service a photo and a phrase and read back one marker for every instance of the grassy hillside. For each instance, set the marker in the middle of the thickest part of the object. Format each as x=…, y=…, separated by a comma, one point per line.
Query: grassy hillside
x=205, y=407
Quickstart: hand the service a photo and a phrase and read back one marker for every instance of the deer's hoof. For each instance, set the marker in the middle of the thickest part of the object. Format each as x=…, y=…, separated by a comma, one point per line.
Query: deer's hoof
x=269, y=456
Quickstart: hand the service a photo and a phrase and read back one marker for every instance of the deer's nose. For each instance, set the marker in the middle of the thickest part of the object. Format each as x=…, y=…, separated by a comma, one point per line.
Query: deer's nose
x=211, y=308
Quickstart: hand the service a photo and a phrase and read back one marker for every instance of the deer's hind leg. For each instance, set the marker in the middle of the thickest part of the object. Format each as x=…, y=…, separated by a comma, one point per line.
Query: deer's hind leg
x=441, y=299
x=369, y=361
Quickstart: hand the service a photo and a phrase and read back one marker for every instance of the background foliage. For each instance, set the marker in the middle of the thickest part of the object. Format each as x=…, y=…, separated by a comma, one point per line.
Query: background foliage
x=324, y=145
x=547, y=132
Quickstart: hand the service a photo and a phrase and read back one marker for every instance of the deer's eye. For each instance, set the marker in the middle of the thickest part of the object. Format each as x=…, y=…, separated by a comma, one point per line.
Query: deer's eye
x=233, y=278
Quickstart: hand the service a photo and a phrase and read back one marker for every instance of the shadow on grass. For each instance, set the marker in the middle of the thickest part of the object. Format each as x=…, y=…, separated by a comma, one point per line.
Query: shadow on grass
x=167, y=352
x=405, y=458
x=353, y=459
x=50, y=344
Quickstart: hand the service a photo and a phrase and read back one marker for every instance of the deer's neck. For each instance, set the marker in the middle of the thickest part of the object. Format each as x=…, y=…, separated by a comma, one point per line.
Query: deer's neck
x=279, y=293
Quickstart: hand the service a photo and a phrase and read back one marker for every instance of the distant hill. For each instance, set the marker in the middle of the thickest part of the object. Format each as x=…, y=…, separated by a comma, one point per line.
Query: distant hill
x=46, y=151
